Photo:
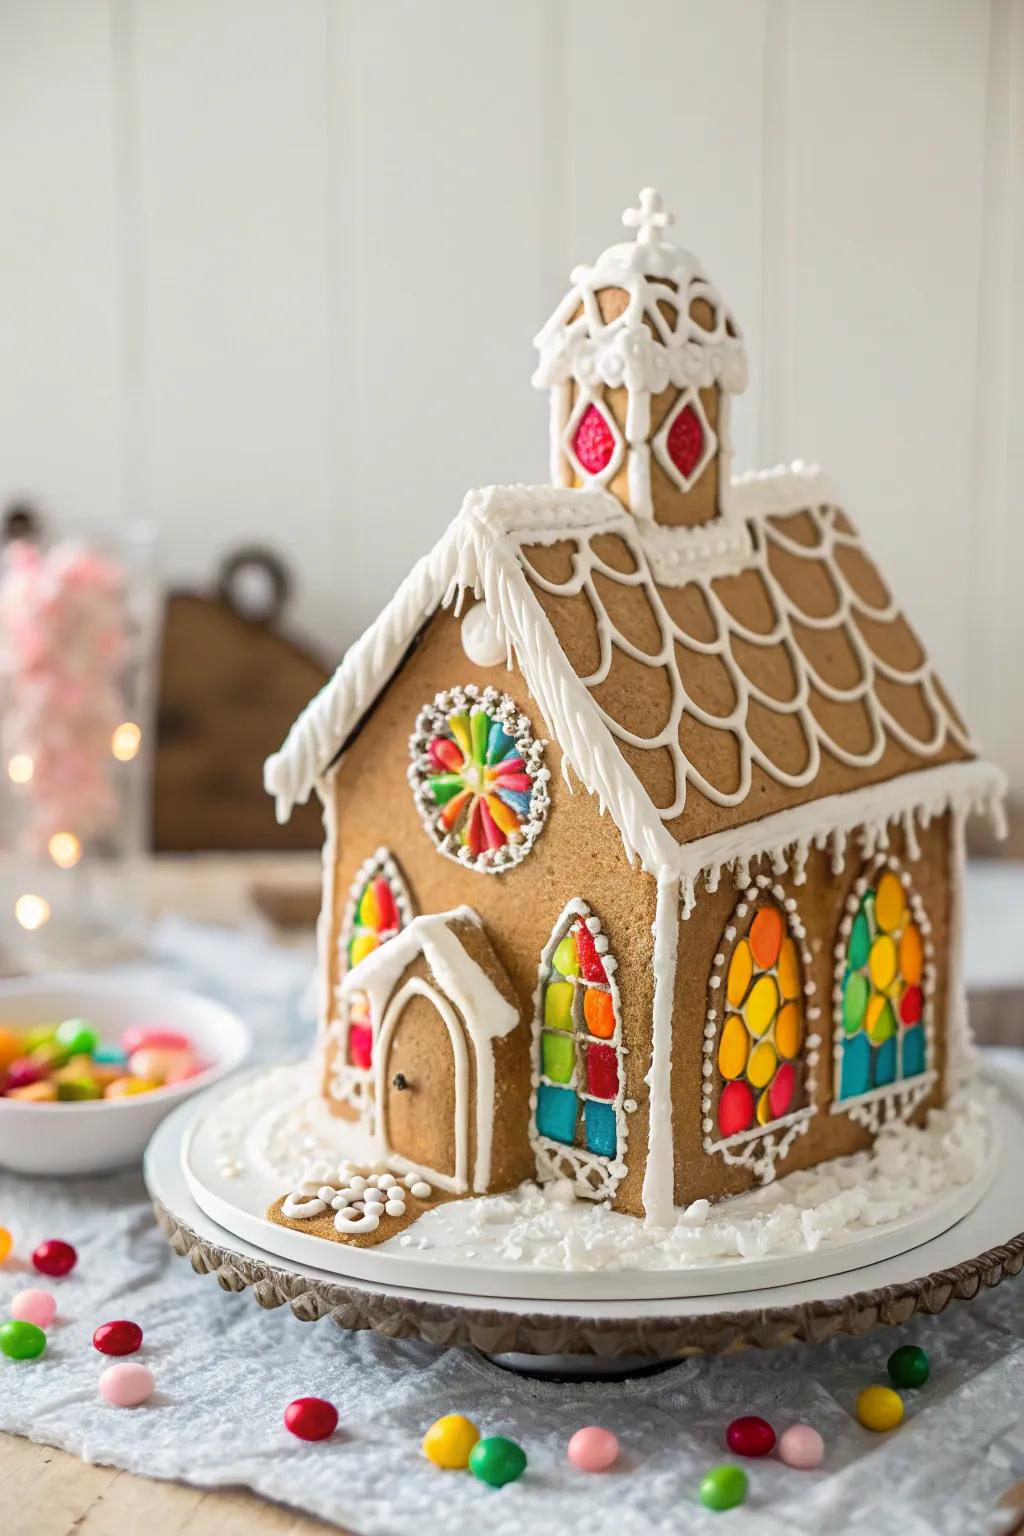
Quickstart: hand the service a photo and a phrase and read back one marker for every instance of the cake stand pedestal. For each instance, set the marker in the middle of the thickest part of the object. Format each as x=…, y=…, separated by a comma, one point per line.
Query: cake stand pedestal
x=609, y=1336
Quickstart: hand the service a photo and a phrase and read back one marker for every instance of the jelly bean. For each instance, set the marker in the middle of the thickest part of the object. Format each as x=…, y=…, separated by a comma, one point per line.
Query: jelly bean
x=35, y=1093
x=77, y=1089
x=128, y=1385
x=78, y=1036
x=909, y=1366
x=497, y=1461
x=138, y=1038
x=11, y=1047
x=186, y=1068
x=21, y=1341
x=311, y=1418
x=801, y=1446
x=593, y=1449
x=23, y=1073
x=6, y=1244
x=154, y=1064
x=109, y=1056
x=750, y=1436
x=449, y=1440
x=33, y=1306
x=39, y=1034
x=117, y=1338
x=879, y=1408
x=54, y=1258
x=723, y=1487
x=127, y=1087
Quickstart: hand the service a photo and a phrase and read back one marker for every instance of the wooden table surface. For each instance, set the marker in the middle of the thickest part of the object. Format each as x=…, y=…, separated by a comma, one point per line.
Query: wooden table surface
x=44, y=1492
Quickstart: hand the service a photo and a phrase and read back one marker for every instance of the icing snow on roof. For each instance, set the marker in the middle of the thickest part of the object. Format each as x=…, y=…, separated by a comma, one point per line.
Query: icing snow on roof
x=712, y=715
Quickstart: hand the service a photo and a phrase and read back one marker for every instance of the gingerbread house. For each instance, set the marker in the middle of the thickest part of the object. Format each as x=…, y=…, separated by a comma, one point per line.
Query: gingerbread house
x=644, y=807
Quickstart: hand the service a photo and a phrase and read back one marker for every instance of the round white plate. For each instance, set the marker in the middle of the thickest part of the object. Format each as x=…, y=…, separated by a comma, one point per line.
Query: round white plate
x=973, y=1216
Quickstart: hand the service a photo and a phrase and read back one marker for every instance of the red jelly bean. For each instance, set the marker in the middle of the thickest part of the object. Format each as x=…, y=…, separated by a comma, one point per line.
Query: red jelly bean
x=55, y=1258
x=117, y=1338
x=311, y=1418
x=750, y=1436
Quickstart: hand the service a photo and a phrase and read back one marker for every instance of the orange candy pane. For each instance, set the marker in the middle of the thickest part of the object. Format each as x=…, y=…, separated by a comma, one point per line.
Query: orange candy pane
x=911, y=956
x=766, y=937
x=788, y=1031
x=741, y=968
x=733, y=1047
x=761, y=1005
x=789, y=970
x=890, y=902
x=599, y=1013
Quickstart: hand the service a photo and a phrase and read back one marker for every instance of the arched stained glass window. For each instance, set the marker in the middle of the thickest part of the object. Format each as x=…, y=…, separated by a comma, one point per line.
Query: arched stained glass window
x=883, y=986
x=759, y=1056
x=579, y=1121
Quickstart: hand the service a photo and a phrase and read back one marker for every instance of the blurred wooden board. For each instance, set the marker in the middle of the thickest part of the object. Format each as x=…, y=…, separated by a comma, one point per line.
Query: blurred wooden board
x=229, y=689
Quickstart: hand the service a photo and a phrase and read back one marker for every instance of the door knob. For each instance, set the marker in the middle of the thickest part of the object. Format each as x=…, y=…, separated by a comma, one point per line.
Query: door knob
x=400, y=1081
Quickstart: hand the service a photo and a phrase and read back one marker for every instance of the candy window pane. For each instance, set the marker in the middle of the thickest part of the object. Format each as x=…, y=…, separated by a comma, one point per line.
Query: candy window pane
x=761, y=1039
x=579, y=1093
x=881, y=991
x=378, y=908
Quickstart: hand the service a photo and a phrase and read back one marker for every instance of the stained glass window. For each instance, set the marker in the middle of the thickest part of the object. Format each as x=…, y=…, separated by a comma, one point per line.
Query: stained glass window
x=759, y=1047
x=579, y=1092
x=378, y=908
x=478, y=778
x=880, y=995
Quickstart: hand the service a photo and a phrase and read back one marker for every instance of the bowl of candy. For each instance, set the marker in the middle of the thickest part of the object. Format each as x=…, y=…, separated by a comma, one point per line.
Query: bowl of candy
x=89, y=1068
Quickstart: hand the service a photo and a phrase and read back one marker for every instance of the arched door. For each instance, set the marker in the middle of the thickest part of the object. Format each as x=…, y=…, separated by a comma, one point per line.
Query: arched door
x=424, y=1086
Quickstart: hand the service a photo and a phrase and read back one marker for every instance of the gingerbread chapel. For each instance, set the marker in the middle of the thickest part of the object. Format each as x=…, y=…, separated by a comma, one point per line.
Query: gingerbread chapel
x=644, y=807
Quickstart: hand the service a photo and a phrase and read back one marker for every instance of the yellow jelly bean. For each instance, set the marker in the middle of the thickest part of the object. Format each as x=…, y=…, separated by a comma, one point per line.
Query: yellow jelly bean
x=448, y=1441
x=762, y=1064
x=889, y=902
x=6, y=1244
x=879, y=1408
x=733, y=1047
x=126, y=1087
x=761, y=1005
x=882, y=962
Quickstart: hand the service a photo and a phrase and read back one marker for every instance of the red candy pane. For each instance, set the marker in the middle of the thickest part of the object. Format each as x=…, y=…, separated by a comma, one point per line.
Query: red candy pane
x=593, y=444
x=591, y=968
x=911, y=1005
x=781, y=1090
x=766, y=937
x=602, y=1072
x=685, y=441
x=736, y=1108
x=360, y=1045
x=385, y=905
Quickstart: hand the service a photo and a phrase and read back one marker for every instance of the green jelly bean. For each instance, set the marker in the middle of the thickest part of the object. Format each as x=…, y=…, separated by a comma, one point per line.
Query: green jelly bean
x=909, y=1366
x=723, y=1487
x=497, y=1461
x=21, y=1341
x=78, y=1037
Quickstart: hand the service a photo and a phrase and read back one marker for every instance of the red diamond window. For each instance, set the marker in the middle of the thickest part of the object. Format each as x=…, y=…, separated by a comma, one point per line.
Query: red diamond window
x=685, y=442
x=593, y=444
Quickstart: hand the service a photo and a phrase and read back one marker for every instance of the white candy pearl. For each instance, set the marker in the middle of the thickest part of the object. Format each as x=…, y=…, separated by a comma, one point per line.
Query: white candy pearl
x=420, y=1190
x=395, y=1207
x=357, y=1183
x=327, y=1193
x=386, y=1180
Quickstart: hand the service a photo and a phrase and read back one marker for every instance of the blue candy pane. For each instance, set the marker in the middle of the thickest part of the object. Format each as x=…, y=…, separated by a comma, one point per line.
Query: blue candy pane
x=556, y=1113
x=913, y=1051
x=600, y=1122
x=885, y=1063
x=856, y=1074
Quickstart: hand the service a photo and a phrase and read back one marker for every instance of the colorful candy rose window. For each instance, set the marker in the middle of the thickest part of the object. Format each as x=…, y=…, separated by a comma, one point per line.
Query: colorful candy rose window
x=881, y=1000
x=761, y=1040
x=579, y=1091
x=478, y=778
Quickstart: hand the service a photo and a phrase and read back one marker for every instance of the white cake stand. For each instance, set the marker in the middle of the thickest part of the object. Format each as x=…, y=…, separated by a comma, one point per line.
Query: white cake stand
x=957, y=1248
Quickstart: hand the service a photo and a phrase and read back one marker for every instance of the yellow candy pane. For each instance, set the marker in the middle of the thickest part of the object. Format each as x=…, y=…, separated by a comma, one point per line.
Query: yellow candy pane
x=764, y=1109
x=362, y=945
x=761, y=1005
x=566, y=957
x=741, y=968
x=883, y=961
x=890, y=902
x=789, y=1031
x=558, y=1005
x=762, y=1064
x=789, y=970
x=733, y=1047
x=911, y=956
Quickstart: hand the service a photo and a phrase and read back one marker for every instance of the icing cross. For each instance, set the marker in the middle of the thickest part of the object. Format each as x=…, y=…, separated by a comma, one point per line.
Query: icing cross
x=650, y=219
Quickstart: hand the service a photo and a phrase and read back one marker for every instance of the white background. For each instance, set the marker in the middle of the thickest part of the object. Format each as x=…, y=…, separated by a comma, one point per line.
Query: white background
x=270, y=269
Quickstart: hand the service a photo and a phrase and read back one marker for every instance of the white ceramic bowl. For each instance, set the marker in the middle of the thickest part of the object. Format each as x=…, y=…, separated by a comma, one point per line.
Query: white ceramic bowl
x=100, y=1135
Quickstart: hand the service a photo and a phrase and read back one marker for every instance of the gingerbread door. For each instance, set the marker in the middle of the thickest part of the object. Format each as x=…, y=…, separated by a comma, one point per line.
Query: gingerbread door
x=425, y=1066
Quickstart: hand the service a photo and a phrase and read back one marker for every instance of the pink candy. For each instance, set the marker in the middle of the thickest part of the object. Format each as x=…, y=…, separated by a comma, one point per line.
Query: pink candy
x=139, y=1037
x=127, y=1385
x=161, y=1065
x=801, y=1446
x=593, y=1449
x=34, y=1306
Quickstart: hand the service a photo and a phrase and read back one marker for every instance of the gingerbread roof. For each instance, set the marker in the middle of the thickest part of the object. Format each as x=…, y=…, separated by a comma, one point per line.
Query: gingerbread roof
x=756, y=705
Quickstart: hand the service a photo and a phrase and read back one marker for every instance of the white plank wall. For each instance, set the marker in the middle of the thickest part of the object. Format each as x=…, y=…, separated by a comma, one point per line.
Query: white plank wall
x=271, y=271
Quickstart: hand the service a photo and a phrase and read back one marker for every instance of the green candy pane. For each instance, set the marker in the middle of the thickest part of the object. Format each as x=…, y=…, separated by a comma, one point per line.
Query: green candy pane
x=855, y=1000
x=480, y=726
x=445, y=786
x=884, y=1026
x=860, y=943
x=558, y=1005
x=558, y=1057
x=567, y=960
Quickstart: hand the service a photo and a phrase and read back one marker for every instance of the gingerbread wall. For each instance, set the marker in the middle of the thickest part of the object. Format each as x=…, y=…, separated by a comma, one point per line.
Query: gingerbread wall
x=579, y=853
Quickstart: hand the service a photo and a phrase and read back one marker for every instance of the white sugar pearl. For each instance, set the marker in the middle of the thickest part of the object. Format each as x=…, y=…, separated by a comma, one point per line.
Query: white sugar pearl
x=357, y=1183
x=386, y=1180
x=326, y=1192
x=420, y=1190
x=374, y=1207
x=395, y=1207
